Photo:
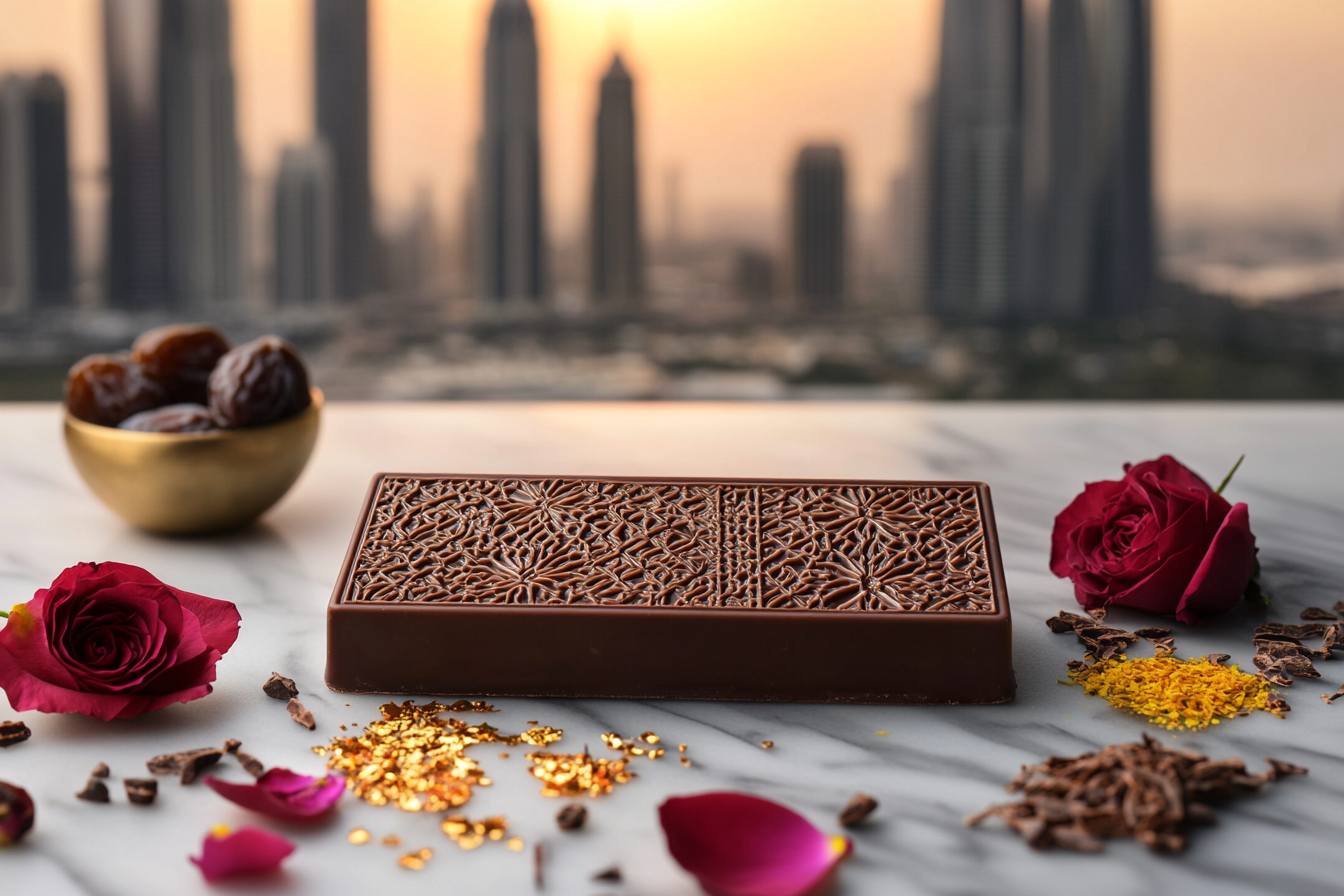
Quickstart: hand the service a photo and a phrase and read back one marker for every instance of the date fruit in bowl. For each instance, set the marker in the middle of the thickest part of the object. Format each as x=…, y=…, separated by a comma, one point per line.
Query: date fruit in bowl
x=180, y=357
x=184, y=417
x=106, y=389
x=258, y=383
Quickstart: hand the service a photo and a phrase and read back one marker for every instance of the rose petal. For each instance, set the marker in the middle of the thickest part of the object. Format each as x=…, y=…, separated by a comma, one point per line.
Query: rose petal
x=245, y=851
x=741, y=845
x=281, y=793
x=1224, y=572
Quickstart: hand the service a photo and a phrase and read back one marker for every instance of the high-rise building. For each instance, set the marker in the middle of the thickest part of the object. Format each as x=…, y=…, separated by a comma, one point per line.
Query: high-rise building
x=1099, y=254
x=511, y=237
x=818, y=226
x=305, y=225
x=174, y=231
x=35, y=231
x=975, y=205
x=616, y=238
x=341, y=79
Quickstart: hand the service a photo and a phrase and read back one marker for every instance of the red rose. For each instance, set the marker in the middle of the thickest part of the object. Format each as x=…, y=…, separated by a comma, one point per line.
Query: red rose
x=110, y=641
x=1159, y=540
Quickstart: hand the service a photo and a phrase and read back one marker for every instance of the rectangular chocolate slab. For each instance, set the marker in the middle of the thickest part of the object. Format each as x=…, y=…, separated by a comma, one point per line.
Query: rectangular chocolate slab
x=716, y=589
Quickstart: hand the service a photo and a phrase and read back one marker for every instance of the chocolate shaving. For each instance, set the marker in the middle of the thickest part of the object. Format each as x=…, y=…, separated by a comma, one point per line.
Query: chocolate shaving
x=298, y=713
x=280, y=687
x=95, y=791
x=1339, y=607
x=1280, y=649
x=1308, y=630
x=141, y=791
x=1152, y=631
x=1066, y=622
x=1331, y=698
x=187, y=764
x=1098, y=614
x=1165, y=645
x=1276, y=674
x=12, y=733
x=1334, y=639
x=231, y=745
x=1141, y=790
x=251, y=764
x=101, y=770
x=572, y=817
x=859, y=807
x=612, y=874
x=1219, y=659
x=1318, y=613
x=1278, y=704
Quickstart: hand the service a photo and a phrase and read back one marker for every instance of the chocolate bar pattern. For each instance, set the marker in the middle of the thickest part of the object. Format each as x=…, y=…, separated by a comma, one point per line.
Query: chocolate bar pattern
x=742, y=546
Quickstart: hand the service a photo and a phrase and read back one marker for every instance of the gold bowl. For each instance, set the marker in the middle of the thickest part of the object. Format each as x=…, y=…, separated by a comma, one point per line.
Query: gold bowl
x=193, y=483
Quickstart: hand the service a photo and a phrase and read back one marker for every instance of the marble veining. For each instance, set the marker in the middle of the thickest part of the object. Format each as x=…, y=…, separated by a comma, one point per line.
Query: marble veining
x=933, y=766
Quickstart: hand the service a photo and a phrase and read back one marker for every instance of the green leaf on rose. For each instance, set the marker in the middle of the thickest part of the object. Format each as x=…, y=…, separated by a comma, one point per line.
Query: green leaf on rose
x=1230, y=473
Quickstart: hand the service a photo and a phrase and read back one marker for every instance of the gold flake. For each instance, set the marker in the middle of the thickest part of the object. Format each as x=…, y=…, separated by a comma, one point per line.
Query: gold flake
x=358, y=836
x=681, y=748
x=516, y=844
x=470, y=834
x=391, y=840
x=503, y=755
x=768, y=744
x=883, y=733
x=686, y=761
x=649, y=737
x=574, y=774
x=411, y=860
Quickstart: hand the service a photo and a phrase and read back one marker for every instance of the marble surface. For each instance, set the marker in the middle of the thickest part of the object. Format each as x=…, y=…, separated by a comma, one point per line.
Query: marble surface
x=932, y=767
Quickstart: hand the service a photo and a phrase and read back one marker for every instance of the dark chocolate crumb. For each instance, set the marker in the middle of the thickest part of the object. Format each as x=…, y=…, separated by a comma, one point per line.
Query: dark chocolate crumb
x=95, y=791
x=1219, y=659
x=1098, y=614
x=1339, y=607
x=1331, y=698
x=141, y=791
x=572, y=817
x=1153, y=631
x=101, y=770
x=1278, y=769
x=187, y=764
x=231, y=745
x=251, y=764
x=12, y=733
x=298, y=713
x=280, y=687
x=193, y=765
x=612, y=874
x=859, y=807
x=1318, y=613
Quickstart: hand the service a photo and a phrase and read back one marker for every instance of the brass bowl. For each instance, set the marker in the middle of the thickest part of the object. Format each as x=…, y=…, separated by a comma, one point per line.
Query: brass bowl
x=193, y=483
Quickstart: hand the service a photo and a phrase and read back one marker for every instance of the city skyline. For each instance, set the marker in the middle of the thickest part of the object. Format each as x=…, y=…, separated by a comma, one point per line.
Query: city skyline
x=1225, y=86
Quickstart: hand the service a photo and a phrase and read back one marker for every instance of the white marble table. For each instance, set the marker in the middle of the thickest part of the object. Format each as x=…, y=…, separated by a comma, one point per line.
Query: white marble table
x=934, y=766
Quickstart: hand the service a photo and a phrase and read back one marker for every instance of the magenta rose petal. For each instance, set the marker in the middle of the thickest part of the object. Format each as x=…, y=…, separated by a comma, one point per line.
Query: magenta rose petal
x=282, y=793
x=226, y=854
x=1225, y=570
x=736, y=844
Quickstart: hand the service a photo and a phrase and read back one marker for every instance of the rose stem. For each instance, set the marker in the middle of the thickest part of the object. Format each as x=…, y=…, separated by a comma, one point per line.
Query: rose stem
x=1228, y=477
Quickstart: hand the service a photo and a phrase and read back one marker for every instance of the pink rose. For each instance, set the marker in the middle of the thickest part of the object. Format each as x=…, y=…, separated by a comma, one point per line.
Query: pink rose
x=110, y=641
x=1159, y=540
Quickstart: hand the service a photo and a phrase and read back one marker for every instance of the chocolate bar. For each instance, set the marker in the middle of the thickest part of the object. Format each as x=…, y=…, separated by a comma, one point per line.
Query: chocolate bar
x=716, y=589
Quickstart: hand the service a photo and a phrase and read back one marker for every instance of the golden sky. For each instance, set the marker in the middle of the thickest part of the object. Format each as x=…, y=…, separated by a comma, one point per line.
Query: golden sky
x=1249, y=94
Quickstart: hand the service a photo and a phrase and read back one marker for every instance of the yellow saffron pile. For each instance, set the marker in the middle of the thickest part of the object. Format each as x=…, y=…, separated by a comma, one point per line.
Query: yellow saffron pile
x=1177, y=693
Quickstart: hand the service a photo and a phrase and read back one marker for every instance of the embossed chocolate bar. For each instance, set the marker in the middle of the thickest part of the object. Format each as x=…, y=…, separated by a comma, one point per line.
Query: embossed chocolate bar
x=834, y=591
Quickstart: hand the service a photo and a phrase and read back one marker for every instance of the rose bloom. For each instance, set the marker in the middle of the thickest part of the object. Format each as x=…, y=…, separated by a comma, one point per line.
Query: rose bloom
x=1159, y=540
x=110, y=641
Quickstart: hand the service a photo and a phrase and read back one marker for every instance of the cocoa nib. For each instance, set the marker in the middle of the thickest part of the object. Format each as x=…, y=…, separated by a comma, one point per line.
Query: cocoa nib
x=1141, y=790
x=251, y=764
x=572, y=817
x=859, y=807
x=231, y=745
x=280, y=687
x=1318, y=613
x=1153, y=631
x=1307, y=630
x=298, y=713
x=141, y=791
x=12, y=733
x=187, y=765
x=95, y=791
x=612, y=874
x=1331, y=698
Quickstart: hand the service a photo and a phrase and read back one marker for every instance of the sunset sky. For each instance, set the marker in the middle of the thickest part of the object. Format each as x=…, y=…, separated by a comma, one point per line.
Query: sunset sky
x=1250, y=117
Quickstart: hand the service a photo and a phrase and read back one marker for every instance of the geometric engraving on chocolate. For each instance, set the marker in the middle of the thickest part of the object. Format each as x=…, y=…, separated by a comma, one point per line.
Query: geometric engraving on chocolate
x=603, y=543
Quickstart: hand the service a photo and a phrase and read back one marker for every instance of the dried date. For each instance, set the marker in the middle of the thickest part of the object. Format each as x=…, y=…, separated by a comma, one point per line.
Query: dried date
x=173, y=418
x=106, y=389
x=257, y=383
x=181, y=357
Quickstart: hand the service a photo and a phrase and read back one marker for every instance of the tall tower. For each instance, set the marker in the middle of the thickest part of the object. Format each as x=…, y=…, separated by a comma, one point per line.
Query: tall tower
x=16, y=150
x=976, y=205
x=53, y=230
x=174, y=218
x=341, y=43
x=511, y=235
x=616, y=242
x=817, y=223
x=305, y=225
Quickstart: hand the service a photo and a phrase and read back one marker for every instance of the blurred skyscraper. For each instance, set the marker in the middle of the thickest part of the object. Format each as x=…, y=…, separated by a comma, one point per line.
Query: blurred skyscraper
x=1099, y=254
x=174, y=232
x=616, y=239
x=341, y=53
x=818, y=227
x=511, y=237
x=36, y=239
x=975, y=220
x=305, y=225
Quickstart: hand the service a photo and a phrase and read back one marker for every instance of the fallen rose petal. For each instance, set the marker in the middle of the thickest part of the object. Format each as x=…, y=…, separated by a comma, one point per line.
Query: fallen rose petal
x=282, y=793
x=227, y=854
x=736, y=844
